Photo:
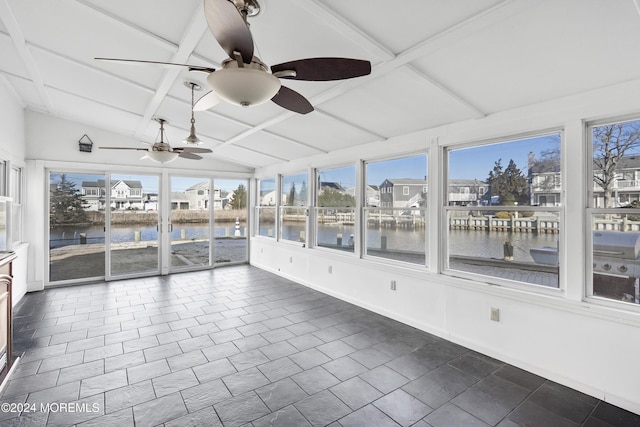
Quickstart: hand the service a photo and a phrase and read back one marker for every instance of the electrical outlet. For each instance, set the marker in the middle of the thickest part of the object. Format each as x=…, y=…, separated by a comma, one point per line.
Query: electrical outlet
x=495, y=314
x=330, y=269
x=393, y=285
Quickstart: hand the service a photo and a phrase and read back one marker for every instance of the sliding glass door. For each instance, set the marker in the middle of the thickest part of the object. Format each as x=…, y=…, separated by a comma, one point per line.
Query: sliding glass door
x=76, y=226
x=134, y=227
x=230, y=215
x=109, y=225
x=190, y=222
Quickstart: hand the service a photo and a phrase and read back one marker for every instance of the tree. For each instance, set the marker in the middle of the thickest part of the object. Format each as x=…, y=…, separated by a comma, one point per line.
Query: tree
x=292, y=195
x=544, y=171
x=610, y=144
x=508, y=184
x=331, y=197
x=67, y=205
x=239, y=200
x=303, y=193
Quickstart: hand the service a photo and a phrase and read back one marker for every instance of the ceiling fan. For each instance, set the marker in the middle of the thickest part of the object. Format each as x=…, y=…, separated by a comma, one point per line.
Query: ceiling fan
x=162, y=152
x=244, y=79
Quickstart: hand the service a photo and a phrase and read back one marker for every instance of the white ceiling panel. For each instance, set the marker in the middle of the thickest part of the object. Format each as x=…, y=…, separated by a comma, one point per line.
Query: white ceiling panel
x=301, y=35
x=245, y=157
x=27, y=92
x=11, y=62
x=267, y=143
x=63, y=74
x=78, y=32
x=87, y=111
x=151, y=15
x=321, y=131
x=401, y=25
x=406, y=101
x=551, y=49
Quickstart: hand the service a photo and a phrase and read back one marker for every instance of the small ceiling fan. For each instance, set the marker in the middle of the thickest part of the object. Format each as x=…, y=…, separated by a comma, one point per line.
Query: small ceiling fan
x=162, y=152
x=244, y=79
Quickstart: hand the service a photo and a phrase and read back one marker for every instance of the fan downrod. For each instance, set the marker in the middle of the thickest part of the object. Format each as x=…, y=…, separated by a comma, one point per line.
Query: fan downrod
x=247, y=8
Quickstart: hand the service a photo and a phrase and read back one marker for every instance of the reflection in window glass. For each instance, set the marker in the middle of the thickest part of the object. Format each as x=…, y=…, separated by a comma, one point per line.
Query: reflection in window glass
x=190, y=228
x=266, y=208
x=335, y=208
x=395, y=212
x=503, y=210
x=230, y=221
x=616, y=234
x=293, y=207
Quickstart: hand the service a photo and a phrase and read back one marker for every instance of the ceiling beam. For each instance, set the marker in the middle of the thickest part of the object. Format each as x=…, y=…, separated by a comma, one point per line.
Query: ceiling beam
x=346, y=28
x=12, y=90
x=11, y=23
x=636, y=3
x=195, y=30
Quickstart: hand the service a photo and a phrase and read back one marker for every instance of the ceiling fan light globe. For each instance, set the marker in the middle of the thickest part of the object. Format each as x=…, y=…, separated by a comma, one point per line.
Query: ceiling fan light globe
x=162, y=156
x=244, y=86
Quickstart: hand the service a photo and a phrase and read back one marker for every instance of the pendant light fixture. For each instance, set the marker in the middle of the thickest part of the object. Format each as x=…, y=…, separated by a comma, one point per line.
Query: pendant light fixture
x=192, y=139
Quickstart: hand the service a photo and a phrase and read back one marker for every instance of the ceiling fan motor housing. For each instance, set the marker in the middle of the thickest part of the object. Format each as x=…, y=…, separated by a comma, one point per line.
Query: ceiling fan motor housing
x=244, y=84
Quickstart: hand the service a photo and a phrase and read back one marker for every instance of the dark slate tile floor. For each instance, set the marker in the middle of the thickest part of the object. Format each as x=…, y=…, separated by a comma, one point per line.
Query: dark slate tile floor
x=238, y=346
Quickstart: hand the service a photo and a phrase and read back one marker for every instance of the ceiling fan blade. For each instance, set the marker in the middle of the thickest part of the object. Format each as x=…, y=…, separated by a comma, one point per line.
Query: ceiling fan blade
x=192, y=150
x=292, y=100
x=324, y=69
x=229, y=29
x=123, y=148
x=142, y=61
x=207, y=101
x=191, y=156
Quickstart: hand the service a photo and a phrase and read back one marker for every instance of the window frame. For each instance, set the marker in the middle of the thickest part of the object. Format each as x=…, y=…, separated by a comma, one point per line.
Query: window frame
x=259, y=207
x=365, y=208
x=315, y=210
x=17, y=200
x=445, y=209
x=592, y=211
x=300, y=209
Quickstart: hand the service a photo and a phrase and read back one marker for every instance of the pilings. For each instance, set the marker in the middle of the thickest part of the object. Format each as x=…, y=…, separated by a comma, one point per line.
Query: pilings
x=490, y=223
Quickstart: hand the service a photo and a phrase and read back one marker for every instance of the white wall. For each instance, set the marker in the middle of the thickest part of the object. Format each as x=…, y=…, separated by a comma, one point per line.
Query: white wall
x=12, y=148
x=590, y=347
x=54, y=139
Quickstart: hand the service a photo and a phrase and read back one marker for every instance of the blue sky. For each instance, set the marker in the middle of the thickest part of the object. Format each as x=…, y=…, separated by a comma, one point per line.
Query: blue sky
x=468, y=163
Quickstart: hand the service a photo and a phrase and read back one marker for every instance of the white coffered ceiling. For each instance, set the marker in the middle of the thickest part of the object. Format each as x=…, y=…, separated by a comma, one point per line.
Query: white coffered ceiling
x=434, y=62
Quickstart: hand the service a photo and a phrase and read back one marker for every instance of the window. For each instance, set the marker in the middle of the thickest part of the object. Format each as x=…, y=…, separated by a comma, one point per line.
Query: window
x=266, y=208
x=15, y=192
x=615, y=238
x=293, y=207
x=397, y=228
x=405, y=190
x=335, y=208
x=500, y=232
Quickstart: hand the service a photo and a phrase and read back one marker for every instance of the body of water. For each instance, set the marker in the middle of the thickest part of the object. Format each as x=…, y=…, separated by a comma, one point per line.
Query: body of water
x=461, y=242
x=70, y=235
